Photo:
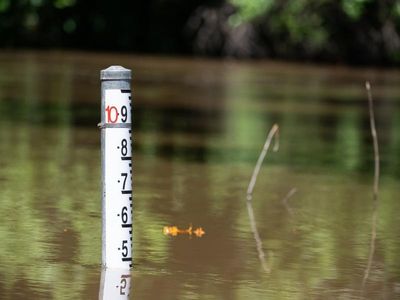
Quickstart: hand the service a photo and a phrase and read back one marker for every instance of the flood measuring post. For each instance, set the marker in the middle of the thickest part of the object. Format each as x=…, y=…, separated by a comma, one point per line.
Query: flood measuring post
x=116, y=163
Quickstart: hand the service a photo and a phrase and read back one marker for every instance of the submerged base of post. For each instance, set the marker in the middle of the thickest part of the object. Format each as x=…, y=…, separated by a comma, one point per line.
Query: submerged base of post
x=115, y=284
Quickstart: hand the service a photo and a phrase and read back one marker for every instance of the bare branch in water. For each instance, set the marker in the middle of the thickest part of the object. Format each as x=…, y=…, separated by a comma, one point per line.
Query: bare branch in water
x=375, y=141
x=286, y=199
x=261, y=255
x=376, y=183
x=273, y=132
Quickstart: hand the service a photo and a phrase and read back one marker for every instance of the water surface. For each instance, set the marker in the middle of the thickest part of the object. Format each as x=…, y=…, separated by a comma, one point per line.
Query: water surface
x=199, y=126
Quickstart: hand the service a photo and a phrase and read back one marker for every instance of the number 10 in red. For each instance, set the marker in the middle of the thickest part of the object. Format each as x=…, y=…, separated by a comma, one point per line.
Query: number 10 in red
x=112, y=114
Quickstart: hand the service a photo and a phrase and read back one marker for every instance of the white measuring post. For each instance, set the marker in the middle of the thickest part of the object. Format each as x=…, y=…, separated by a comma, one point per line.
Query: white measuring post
x=116, y=162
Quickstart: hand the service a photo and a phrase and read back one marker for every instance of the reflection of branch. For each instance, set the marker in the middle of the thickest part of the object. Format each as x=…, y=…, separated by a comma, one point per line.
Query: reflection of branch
x=261, y=255
x=371, y=246
x=376, y=183
x=286, y=199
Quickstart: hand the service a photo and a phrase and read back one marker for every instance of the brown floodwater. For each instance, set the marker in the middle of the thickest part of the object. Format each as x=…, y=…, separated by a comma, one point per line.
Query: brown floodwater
x=199, y=126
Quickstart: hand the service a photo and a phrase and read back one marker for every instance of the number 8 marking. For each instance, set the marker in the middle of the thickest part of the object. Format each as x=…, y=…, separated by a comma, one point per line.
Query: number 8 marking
x=124, y=148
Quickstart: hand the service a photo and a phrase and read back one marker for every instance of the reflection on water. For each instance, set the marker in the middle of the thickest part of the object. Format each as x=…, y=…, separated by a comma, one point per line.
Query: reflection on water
x=115, y=284
x=199, y=126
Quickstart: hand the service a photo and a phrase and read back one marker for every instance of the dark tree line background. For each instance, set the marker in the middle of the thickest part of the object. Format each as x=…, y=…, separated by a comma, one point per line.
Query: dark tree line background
x=352, y=31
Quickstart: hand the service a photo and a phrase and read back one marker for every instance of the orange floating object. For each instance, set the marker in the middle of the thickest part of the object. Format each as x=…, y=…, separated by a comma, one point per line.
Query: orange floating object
x=170, y=230
x=199, y=232
x=174, y=231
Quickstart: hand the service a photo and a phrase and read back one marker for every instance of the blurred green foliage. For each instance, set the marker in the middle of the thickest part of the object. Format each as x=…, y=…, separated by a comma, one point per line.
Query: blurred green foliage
x=354, y=31
x=354, y=8
x=248, y=10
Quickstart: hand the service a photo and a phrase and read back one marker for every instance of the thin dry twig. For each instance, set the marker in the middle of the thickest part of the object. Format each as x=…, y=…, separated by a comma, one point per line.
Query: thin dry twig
x=375, y=141
x=261, y=255
x=273, y=132
x=376, y=182
x=286, y=199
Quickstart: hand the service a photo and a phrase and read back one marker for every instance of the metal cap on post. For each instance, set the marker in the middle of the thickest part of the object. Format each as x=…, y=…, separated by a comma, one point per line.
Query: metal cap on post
x=116, y=162
x=116, y=73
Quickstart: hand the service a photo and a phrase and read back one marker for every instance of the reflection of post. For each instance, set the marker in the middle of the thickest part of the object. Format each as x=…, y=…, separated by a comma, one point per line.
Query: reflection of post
x=115, y=284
